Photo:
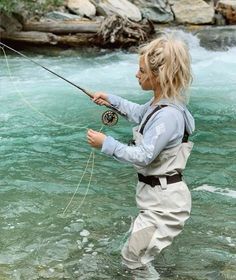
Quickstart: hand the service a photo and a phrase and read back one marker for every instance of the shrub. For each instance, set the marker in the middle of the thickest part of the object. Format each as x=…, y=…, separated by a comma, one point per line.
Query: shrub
x=30, y=5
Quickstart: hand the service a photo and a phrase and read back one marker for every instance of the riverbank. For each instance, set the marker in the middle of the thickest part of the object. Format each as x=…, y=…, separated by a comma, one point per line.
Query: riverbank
x=120, y=24
x=210, y=37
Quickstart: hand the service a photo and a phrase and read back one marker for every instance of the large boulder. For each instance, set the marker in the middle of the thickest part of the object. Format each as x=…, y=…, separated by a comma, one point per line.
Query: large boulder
x=155, y=10
x=193, y=12
x=228, y=9
x=81, y=7
x=122, y=8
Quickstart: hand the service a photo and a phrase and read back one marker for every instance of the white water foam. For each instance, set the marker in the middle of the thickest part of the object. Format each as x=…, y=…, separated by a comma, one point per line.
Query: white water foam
x=212, y=189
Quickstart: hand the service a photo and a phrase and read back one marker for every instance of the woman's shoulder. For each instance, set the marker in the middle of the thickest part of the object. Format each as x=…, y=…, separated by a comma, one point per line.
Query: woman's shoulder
x=169, y=110
x=178, y=115
x=168, y=116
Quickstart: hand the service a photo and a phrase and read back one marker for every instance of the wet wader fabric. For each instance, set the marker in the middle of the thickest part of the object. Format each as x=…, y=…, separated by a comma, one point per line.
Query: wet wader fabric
x=164, y=208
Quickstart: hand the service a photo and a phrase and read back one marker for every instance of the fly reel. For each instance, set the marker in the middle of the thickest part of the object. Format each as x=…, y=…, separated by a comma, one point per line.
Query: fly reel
x=109, y=118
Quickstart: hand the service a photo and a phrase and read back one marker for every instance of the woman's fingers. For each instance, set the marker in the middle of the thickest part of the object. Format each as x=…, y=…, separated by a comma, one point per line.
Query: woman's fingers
x=95, y=138
x=99, y=101
x=100, y=98
x=102, y=102
x=90, y=132
x=90, y=136
x=97, y=96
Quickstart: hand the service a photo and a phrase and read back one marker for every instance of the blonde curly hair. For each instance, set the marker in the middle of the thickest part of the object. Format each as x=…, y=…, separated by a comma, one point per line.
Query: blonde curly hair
x=168, y=64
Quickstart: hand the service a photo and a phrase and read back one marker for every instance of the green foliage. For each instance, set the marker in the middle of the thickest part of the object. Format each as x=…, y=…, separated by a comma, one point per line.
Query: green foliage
x=7, y=6
x=10, y=6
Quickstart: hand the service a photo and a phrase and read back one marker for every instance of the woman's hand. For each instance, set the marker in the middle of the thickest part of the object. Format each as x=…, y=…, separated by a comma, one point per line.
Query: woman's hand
x=100, y=98
x=95, y=138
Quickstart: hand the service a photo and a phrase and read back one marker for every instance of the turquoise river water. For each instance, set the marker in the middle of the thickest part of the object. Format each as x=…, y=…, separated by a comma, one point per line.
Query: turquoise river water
x=43, y=151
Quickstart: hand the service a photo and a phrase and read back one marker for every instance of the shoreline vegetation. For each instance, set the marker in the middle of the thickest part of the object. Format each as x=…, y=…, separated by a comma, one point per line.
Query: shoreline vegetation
x=112, y=24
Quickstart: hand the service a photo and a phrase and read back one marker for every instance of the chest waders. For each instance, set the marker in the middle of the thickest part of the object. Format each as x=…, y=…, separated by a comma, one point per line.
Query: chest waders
x=163, y=199
x=154, y=180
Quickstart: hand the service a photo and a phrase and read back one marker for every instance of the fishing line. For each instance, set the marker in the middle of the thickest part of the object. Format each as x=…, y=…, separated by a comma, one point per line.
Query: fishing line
x=61, y=124
x=27, y=103
x=90, y=179
x=109, y=117
x=92, y=154
x=78, y=185
x=89, y=183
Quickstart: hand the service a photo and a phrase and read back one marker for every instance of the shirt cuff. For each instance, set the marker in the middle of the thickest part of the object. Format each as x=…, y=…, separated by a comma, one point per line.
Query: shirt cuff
x=109, y=145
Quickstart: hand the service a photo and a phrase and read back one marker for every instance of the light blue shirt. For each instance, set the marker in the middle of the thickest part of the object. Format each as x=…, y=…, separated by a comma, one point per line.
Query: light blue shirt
x=164, y=130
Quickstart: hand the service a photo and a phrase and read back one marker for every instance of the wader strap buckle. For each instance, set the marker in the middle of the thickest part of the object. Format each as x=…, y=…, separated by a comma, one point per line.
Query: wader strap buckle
x=163, y=182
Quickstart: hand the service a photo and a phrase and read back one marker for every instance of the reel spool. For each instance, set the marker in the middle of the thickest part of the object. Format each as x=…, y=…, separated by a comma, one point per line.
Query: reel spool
x=109, y=118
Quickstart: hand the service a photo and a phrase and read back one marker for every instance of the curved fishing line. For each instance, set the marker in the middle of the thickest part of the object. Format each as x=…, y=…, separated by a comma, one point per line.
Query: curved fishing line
x=61, y=124
x=90, y=178
x=33, y=108
x=89, y=183
x=78, y=185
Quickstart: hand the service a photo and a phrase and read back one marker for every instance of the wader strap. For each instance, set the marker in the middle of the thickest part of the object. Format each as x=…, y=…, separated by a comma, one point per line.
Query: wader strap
x=159, y=107
x=185, y=137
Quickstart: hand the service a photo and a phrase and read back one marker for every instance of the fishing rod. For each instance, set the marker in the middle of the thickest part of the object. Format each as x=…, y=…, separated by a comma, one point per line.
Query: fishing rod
x=109, y=117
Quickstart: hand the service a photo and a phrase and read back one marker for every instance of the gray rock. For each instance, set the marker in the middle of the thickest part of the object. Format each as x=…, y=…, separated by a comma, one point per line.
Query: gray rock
x=217, y=38
x=84, y=233
x=84, y=240
x=55, y=15
x=193, y=12
x=123, y=8
x=158, y=11
x=75, y=227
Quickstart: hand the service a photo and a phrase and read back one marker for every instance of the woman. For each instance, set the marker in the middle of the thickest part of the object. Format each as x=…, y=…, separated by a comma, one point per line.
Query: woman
x=159, y=151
